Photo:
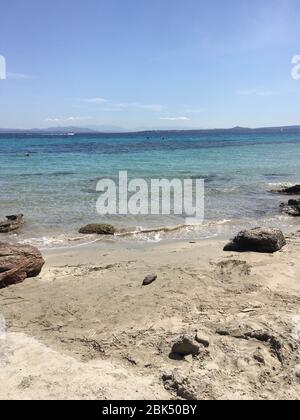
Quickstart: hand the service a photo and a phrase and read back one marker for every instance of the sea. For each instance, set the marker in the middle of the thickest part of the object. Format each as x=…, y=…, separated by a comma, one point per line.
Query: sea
x=52, y=180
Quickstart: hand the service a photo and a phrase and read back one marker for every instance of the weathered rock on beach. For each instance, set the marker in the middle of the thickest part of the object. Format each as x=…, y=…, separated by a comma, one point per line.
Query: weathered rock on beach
x=292, y=208
x=18, y=262
x=12, y=223
x=257, y=240
x=98, y=228
x=294, y=190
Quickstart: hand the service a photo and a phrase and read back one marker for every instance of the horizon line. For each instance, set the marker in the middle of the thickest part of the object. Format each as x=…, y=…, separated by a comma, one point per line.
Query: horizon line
x=80, y=130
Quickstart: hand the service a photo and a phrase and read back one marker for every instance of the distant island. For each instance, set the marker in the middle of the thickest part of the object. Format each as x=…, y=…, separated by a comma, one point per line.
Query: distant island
x=117, y=130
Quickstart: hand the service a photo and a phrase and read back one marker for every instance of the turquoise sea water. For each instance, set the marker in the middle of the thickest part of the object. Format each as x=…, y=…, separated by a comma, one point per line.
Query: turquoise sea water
x=52, y=180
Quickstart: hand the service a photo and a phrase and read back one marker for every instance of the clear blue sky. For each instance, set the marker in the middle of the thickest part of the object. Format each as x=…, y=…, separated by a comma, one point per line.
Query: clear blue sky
x=149, y=64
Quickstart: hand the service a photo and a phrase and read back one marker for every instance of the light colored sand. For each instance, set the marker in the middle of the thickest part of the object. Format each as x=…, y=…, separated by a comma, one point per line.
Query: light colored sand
x=87, y=329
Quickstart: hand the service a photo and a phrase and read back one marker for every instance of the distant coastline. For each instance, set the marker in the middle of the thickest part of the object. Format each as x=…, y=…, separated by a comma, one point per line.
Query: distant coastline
x=88, y=131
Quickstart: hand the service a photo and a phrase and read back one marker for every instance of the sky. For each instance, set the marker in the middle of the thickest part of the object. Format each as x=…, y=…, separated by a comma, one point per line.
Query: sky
x=139, y=64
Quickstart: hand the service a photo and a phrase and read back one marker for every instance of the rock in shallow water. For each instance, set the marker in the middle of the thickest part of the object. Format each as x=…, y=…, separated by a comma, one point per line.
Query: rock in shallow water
x=17, y=262
x=99, y=229
x=257, y=240
x=292, y=208
x=12, y=223
x=294, y=190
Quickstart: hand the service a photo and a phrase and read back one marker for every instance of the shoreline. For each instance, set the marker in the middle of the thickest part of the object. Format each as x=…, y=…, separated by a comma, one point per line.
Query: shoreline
x=88, y=322
x=209, y=229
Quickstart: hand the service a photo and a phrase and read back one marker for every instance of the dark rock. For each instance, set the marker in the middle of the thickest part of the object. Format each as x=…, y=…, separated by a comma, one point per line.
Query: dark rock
x=186, y=345
x=12, y=223
x=17, y=262
x=260, y=335
x=167, y=376
x=257, y=240
x=149, y=279
x=294, y=190
x=292, y=208
x=99, y=229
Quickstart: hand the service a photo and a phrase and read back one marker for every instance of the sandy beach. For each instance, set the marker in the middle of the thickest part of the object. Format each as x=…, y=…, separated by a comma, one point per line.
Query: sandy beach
x=87, y=329
x=149, y=202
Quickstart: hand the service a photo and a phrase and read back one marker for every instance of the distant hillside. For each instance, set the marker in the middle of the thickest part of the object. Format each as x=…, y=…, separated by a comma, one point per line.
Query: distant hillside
x=56, y=130
x=65, y=130
x=115, y=130
x=238, y=130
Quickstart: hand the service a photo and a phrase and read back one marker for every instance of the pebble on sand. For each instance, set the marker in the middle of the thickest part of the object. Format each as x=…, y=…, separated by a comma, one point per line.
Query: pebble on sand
x=149, y=279
x=186, y=345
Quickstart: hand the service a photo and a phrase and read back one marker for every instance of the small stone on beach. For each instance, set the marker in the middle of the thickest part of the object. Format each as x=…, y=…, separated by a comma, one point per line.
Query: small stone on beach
x=186, y=345
x=149, y=279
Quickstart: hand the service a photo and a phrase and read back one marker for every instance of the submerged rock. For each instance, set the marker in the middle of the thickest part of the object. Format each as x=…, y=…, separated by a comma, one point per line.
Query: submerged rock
x=292, y=208
x=99, y=229
x=294, y=190
x=257, y=240
x=12, y=223
x=17, y=262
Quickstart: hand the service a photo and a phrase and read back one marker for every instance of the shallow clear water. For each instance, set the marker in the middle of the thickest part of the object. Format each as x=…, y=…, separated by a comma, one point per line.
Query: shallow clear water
x=55, y=186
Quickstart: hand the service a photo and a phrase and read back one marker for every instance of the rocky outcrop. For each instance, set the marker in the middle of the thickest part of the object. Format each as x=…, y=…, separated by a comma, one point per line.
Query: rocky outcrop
x=257, y=240
x=12, y=223
x=17, y=262
x=292, y=208
x=99, y=229
x=294, y=190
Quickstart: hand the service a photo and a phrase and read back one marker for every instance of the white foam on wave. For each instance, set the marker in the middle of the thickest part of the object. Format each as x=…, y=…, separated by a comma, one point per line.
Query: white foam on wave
x=157, y=238
x=208, y=229
x=144, y=234
x=281, y=184
x=59, y=242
